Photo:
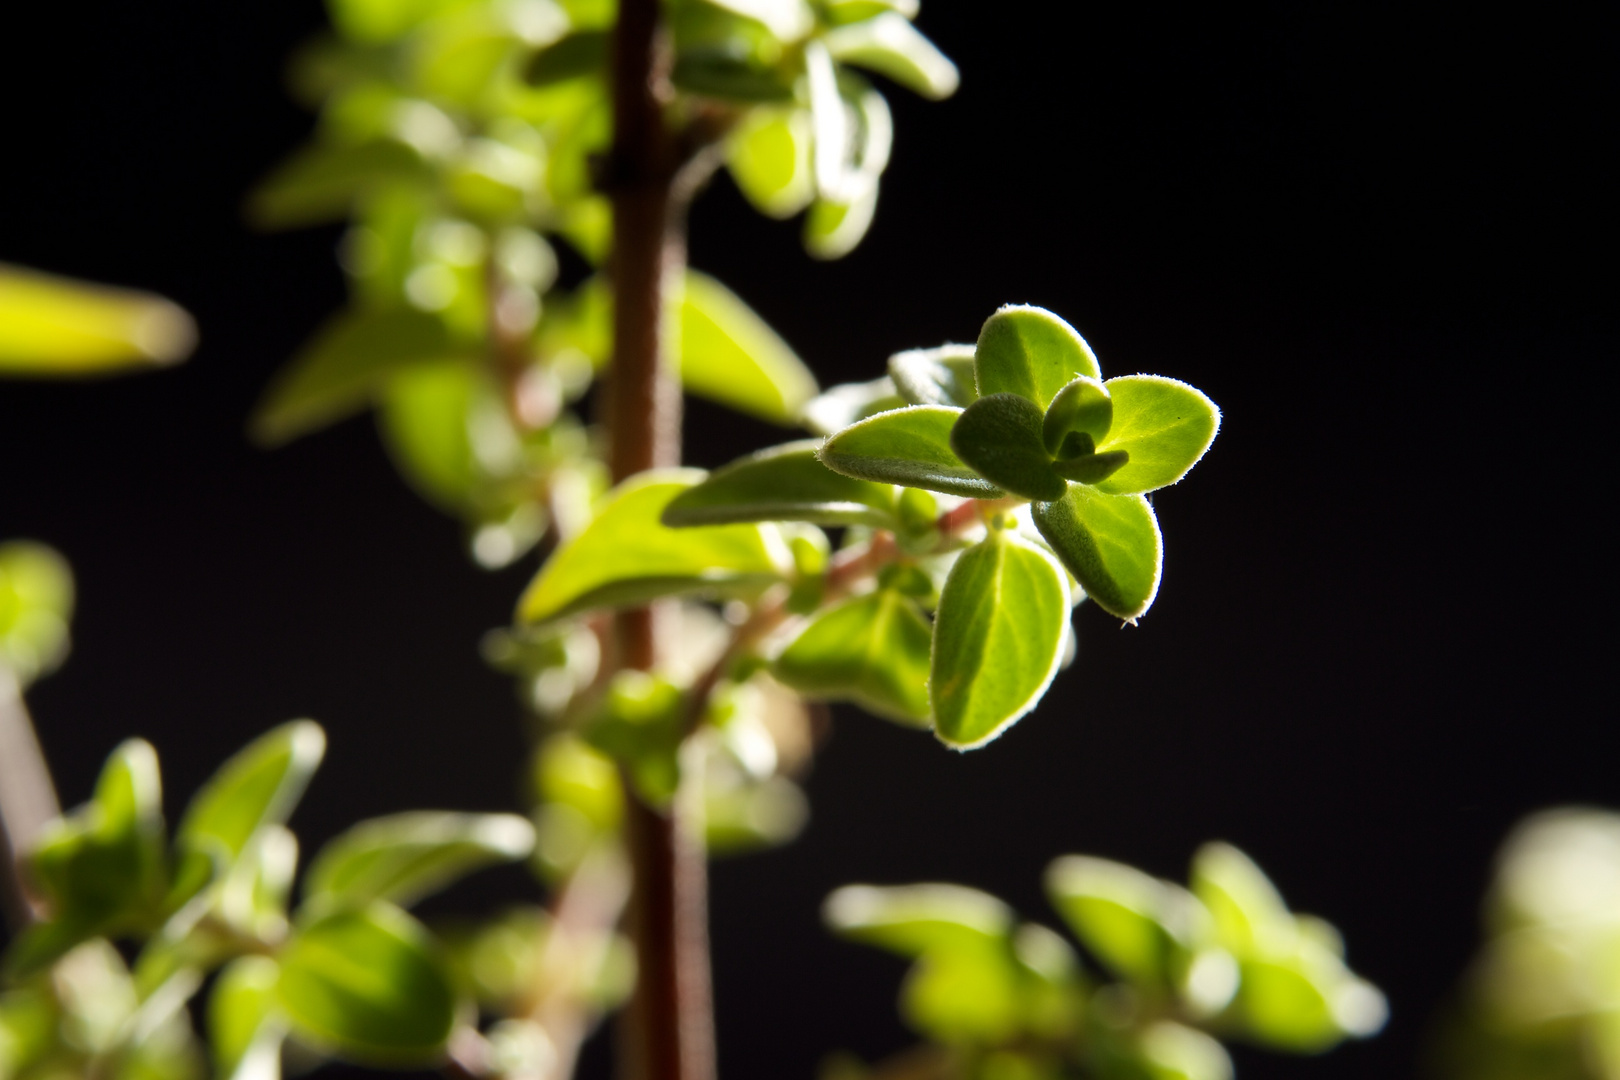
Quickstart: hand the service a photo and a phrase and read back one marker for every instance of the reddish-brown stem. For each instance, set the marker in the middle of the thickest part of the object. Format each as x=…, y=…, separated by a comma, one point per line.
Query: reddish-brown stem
x=667, y=1032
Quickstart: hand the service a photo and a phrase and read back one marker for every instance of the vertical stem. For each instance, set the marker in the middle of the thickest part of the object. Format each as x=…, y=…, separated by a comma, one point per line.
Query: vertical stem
x=27, y=798
x=667, y=1032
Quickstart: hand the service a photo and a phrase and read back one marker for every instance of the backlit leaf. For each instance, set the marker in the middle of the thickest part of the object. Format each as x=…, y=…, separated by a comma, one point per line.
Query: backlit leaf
x=889, y=45
x=730, y=355
x=259, y=785
x=872, y=650
x=36, y=603
x=320, y=183
x=998, y=638
x=769, y=157
x=913, y=919
x=842, y=405
x=783, y=483
x=909, y=446
x=244, y=1029
x=578, y=54
x=404, y=857
x=833, y=229
x=1163, y=424
x=999, y=436
x=53, y=326
x=627, y=556
x=938, y=376
x=1030, y=352
x=1110, y=543
x=1133, y=922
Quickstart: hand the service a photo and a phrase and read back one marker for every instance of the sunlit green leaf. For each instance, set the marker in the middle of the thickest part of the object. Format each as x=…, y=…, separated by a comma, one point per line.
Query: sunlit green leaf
x=889, y=45
x=872, y=650
x=404, y=857
x=909, y=446
x=54, y=326
x=347, y=363
x=582, y=53
x=36, y=603
x=1249, y=913
x=787, y=20
x=964, y=995
x=998, y=638
x=259, y=785
x=1082, y=408
x=640, y=722
x=1163, y=424
x=1172, y=1051
x=320, y=183
x=999, y=436
x=368, y=985
x=243, y=1026
x=913, y=919
x=938, y=376
x=627, y=556
x=1030, y=352
x=1134, y=923
x=1110, y=543
x=846, y=403
x=730, y=355
x=833, y=229
x=377, y=21
x=752, y=816
x=769, y=157
x=423, y=415
x=783, y=483
x=842, y=12
x=719, y=73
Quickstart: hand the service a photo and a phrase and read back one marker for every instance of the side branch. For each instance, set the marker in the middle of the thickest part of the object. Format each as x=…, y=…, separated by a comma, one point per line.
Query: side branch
x=27, y=799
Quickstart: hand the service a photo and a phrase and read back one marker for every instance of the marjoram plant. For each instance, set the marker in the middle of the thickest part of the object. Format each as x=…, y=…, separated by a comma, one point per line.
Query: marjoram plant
x=918, y=555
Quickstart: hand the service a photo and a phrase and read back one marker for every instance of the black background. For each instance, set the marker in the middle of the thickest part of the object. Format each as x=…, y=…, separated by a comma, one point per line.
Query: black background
x=1378, y=235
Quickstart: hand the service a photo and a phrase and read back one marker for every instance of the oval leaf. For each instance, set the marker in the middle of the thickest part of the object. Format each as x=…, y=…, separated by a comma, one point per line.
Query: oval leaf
x=1083, y=408
x=1030, y=352
x=783, y=483
x=1000, y=437
x=730, y=355
x=627, y=556
x=769, y=158
x=998, y=638
x=844, y=404
x=404, y=857
x=320, y=183
x=889, y=45
x=54, y=326
x=258, y=786
x=938, y=376
x=872, y=650
x=914, y=919
x=910, y=446
x=1133, y=922
x=1110, y=543
x=1164, y=425
x=243, y=1027
x=369, y=985
x=36, y=602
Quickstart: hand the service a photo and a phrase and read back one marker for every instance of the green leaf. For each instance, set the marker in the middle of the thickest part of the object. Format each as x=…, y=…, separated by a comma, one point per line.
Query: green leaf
x=846, y=403
x=368, y=985
x=833, y=229
x=964, y=995
x=889, y=45
x=424, y=418
x=627, y=556
x=999, y=436
x=1250, y=914
x=909, y=446
x=405, y=857
x=843, y=12
x=36, y=602
x=750, y=817
x=321, y=183
x=374, y=22
x=1082, y=408
x=938, y=376
x=914, y=919
x=783, y=483
x=244, y=1029
x=718, y=73
x=998, y=638
x=1030, y=352
x=345, y=366
x=53, y=326
x=787, y=20
x=1136, y=924
x=768, y=154
x=259, y=785
x=872, y=650
x=579, y=54
x=641, y=721
x=1110, y=543
x=1172, y=1051
x=1163, y=424
x=730, y=355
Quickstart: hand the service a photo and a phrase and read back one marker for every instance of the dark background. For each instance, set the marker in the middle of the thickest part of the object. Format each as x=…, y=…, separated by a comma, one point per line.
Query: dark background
x=1379, y=236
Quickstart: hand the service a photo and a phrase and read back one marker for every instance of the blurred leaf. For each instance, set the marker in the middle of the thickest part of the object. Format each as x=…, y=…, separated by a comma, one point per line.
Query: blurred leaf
x=370, y=986
x=834, y=229
x=909, y=446
x=1110, y=543
x=584, y=52
x=1030, y=352
x=1250, y=914
x=346, y=364
x=938, y=376
x=1134, y=923
x=753, y=816
x=914, y=919
x=718, y=73
x=258, y=786
x=404, y=857
x=54, y=326
x=998, y=638
x=842, y=12
x=423, y=415
x=1163, y=424
x=889, y=45
x=321, y=182
x=783, y=483
x=570, y=773
x=626, y=556
x=640, y=722
x=844, y=404
x=964, y=995
x=1172, y=1051
x=243, y=1027
x=730, y=355
x=787, y=20
x=36, y=604
x=999, y=436
x=872, y=650
x=1282, y=1007
x=374, y=22
x=768, y=154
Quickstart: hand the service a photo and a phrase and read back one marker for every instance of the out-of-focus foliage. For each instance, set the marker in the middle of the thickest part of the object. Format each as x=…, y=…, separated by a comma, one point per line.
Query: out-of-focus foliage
x=1543, y=996
x=53, y=327
x=36, y=605
x=1177, y=971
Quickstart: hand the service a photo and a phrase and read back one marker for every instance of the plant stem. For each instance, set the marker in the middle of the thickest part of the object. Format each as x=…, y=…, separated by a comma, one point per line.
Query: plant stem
x=667, y=1031
x=27, y=799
